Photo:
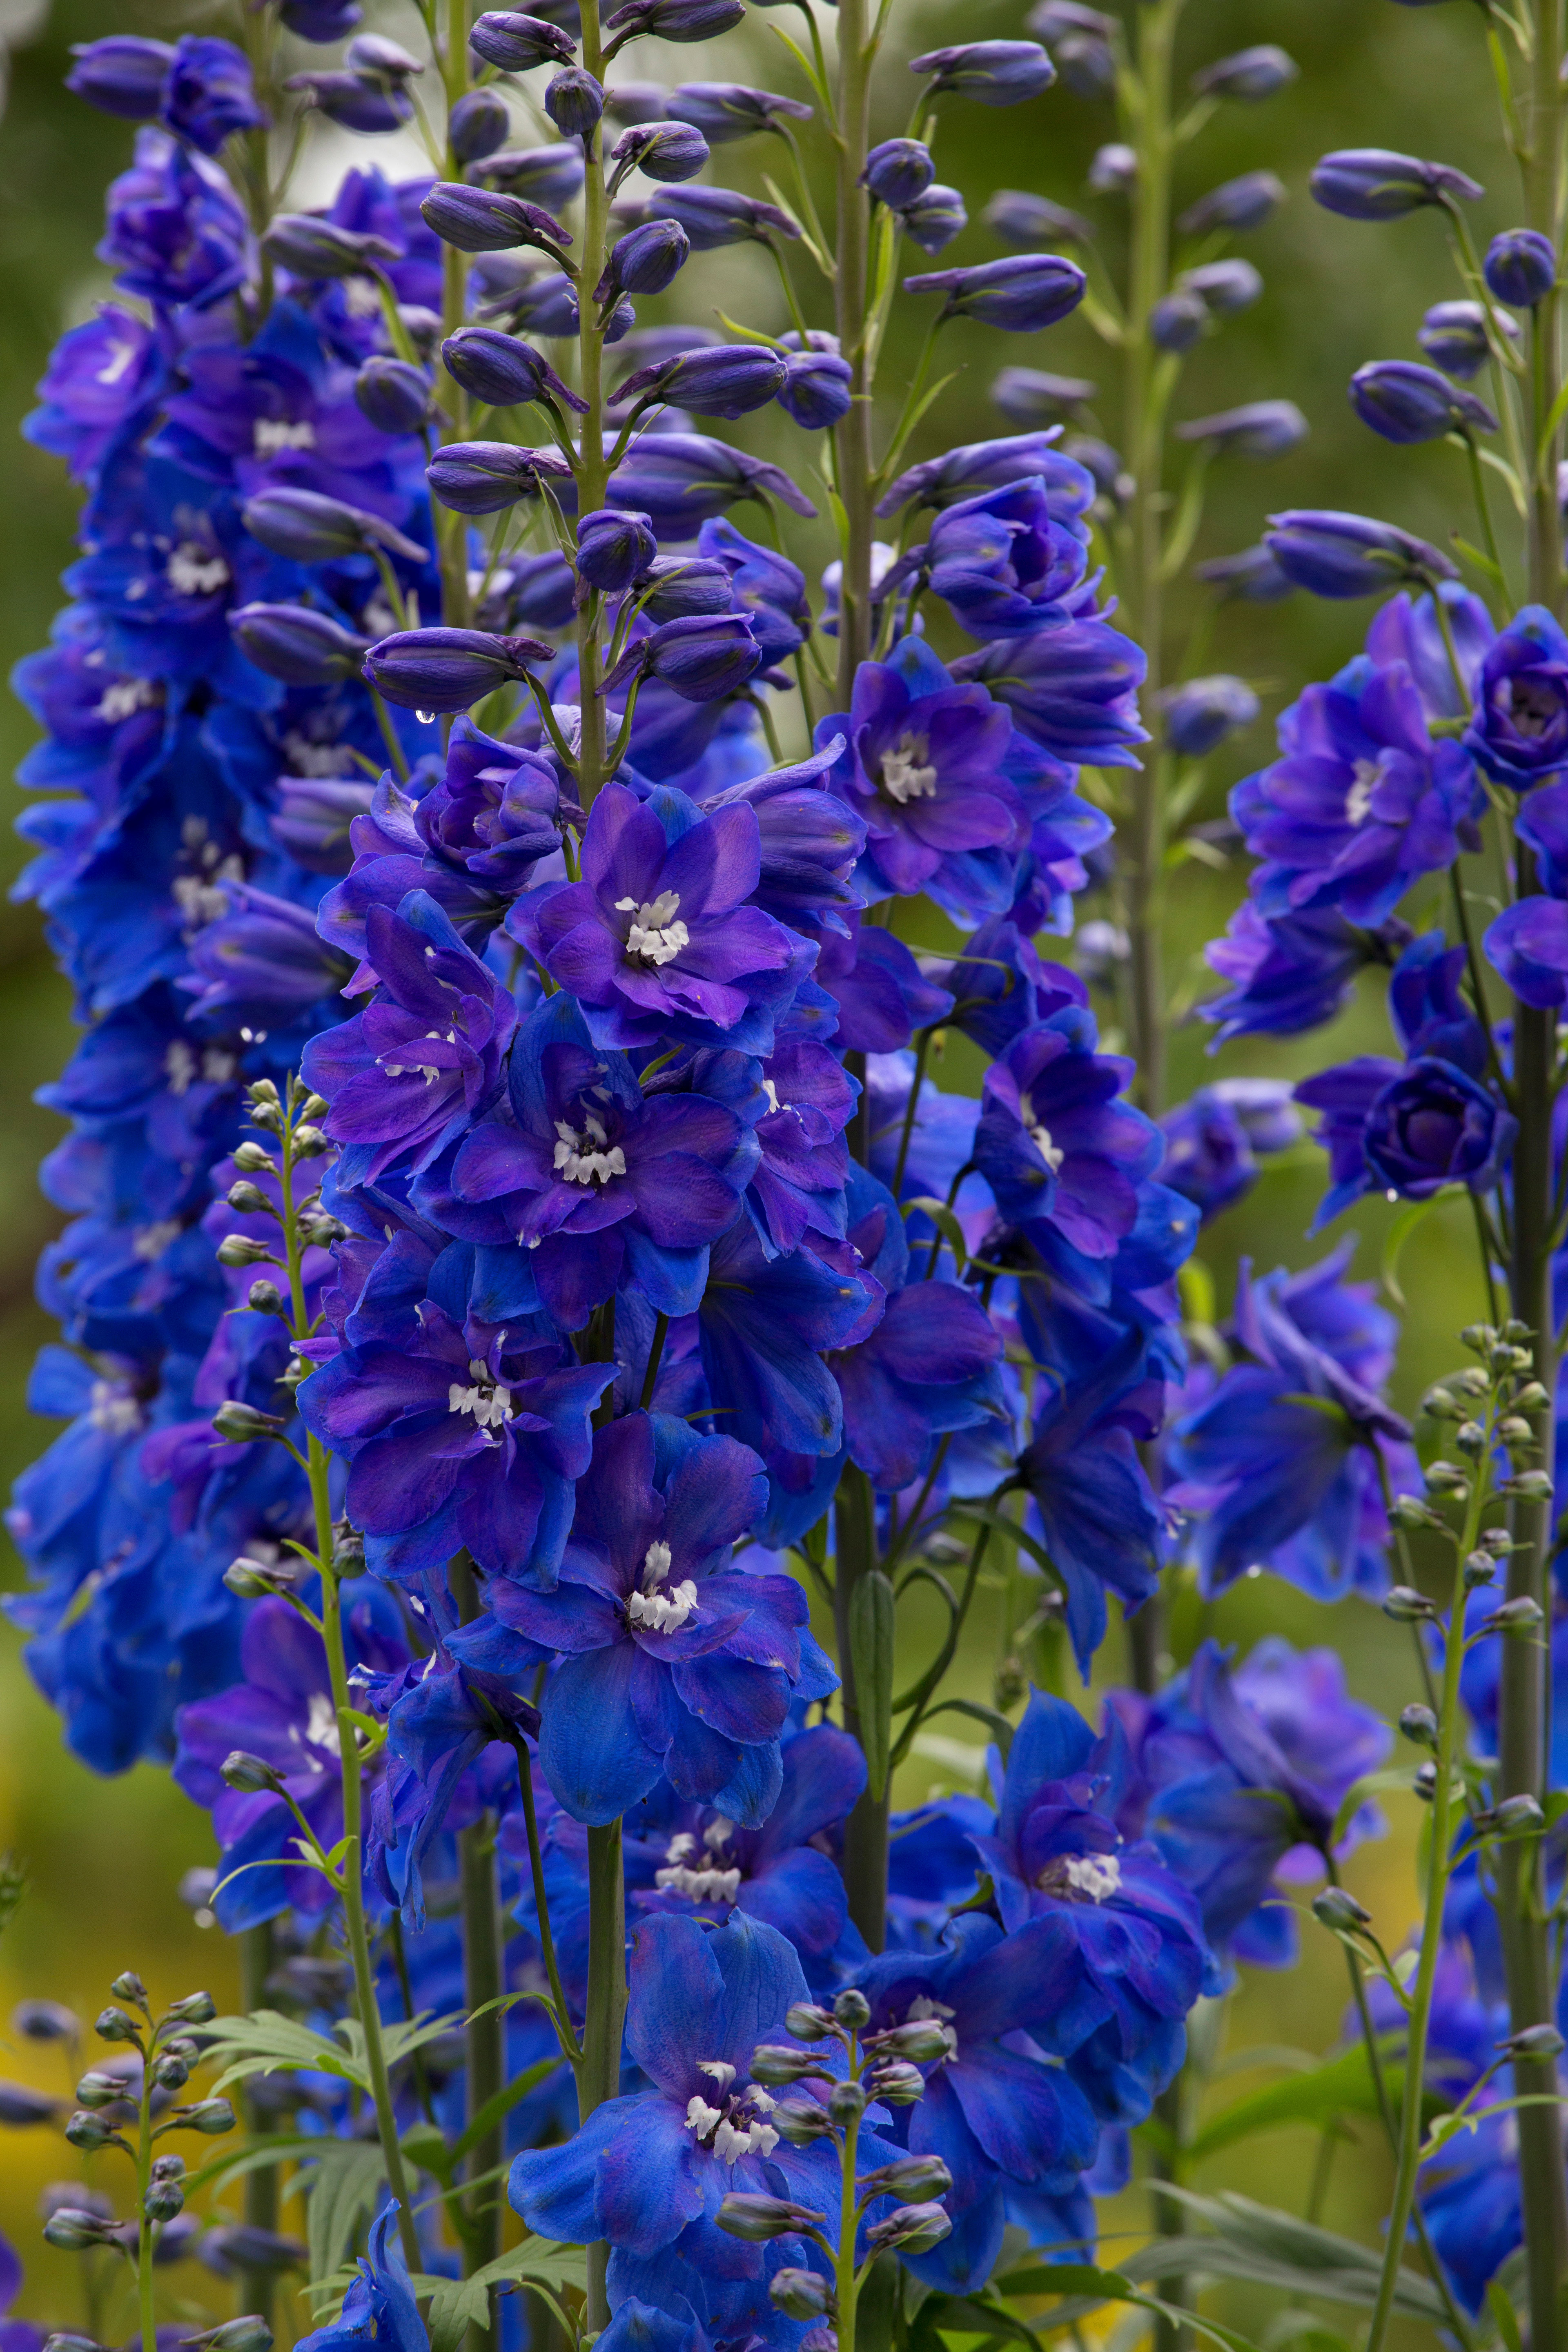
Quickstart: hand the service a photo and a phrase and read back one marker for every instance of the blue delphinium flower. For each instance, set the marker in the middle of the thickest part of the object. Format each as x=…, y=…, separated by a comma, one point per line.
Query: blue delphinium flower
x=379, y=2306
x=1519, y=732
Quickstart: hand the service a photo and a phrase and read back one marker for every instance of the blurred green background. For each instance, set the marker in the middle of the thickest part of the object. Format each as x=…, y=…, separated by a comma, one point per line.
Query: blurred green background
x=104, y=1858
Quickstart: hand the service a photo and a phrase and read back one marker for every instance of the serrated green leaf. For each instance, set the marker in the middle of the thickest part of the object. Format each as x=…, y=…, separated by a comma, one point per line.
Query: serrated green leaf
x=267, y=2042
x=1267, y=2247
x=344, y=2188
x=250, y=2156
x=457, y=2304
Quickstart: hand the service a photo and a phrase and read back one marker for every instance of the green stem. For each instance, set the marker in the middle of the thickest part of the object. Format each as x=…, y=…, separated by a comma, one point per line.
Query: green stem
x=483, y=1984
x=852, y=437
x=564, y=2029
x=146, y=2229
x=593, y=767
x=599, y=2077
x=258, y=2287
x=846, y=2280
x=866, y=1833
x=1408, y=2151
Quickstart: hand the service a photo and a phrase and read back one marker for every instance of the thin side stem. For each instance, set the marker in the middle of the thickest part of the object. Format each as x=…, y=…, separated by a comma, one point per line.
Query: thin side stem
x=866, y=1833
x=146, y=2229
x=599, y=2077
x=852, y=437
x=592, y=764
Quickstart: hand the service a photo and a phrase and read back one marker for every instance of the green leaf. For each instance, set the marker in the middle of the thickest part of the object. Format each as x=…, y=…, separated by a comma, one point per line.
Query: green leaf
x=997, y=1725
x=457, y=2304
x=1342, y=2085
x=425, y=2145
x=501, y=2104
x=1506, y=2318
x=267, y=2042
x=946, y=1222
x=250, y=2156
x=1066, y=2278
x=344, y=2184
x=871, y=1617
x=1268, y=2248
x=1372, y=1784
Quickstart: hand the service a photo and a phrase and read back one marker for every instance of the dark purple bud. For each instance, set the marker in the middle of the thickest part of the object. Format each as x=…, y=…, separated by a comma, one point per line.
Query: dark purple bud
x=552, y=176
x=686, y=585
x=478, y=123
x=1520, y=267
x=20, y=2104
x=712, y=217
x=1086, y=63
x=816, y=390
x=727, y=380
x=897, y=172
x=309, y=529
x=701, y=659
x=1252, y=576
x=1031, y=396
x=1258, y=429
x=1020, y=218
x=488, y=220
x=121, y=75
x=374, y=53
x=1376, y=184
x=1052, y=20
x=448, y=670
x=1250, y=73
x=994, y=73
x=542, y=591
x=1022, y=293
x=500, y=370
x=636, y=101
x=1112, y=168
x=45, y=2021
x=1177, y=320
x=1453, y=337
x=480, y=477
x=912, y=2229
x=674, y=20
x=311, y=248
x=236, y=2246
x=321, y=20
x=574, y=102
x=393, y=394
x=1201, y=713
x=1406, y=403
x=1334, y=554
x=643, y=260
x=209, y=95
x=1223, y=286
x=756, y=2219
x=725, y=111
x=666, y=152
x=1240, y=204
x=361, y=102
x=300, y=647
x=517, y=43
x=614, y=548
x=933, y=220
x=313, y=818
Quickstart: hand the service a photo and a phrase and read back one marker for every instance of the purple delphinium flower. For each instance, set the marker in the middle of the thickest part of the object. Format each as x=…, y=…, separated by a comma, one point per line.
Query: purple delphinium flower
x=1056, y=1855
x=1362, y=802
x=456, y=1429
x=1528, y=944
x=1213, y=1141
x=672, y=1662
x=1001, y=564
x=1054, y=1142
x=1292, y=973
x=649, y=2169
x=1410, y=1128
x=923, y=771
x=1519, y=730
x=596, y=1182
x=1073, y=691
x=656, y=940
x=1280, y=1463
x=177, y=230
x=424, y=1058
x=283, y=1713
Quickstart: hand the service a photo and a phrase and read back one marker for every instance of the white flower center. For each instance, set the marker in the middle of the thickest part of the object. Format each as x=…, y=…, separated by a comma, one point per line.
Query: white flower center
x=194, y=570
x=737, y=2128
x=1039, y=1135
x=428, y=1071
x=1358, y=799
x=125, y=698
x=701, y=1882
x=179, y=1066
x=151, y=1240
x=905, y=775
x=114, y=367
x=653, y=933
x=1097, y=1875
x=489, y=1403
x=657, y=1611
x=112, y=1411
x=275, y=434
x=321, y=1723
x=362, y=297
x=582, y=1157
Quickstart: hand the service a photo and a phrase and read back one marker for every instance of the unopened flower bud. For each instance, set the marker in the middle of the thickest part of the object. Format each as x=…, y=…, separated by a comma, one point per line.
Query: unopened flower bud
x=851, y=2010
x=847, y=2103
x=1481, y=1568
x=45, y=2021
x=1470, y=1437
x=517, y=43
x=1537, y=2043
x=1178, y=320
x=1406, y=1606
x=774, y=2063
x=393, y=394
x=478, y=125
x=170, y=2071
x=807, y=2022
x=1521, y=1615
x=193, y=2009
x=911, y=2176
x=1532, y=1398
x=243, y=1424
x=1336, y=1907
x=251, y=1775
x=98, y=2089
x=674, y=587
x=897, y=172
x=116, y=2025
x=1520, y=268
x=1250, y=74
x=248, y=2333
x=73, y=2231
x=296, y=646
x=1530, y=1486
x=448, y=670
x=208, y=2115
x=643, y=261
x=1498, y=1541
x=575, y=102
x=897, y=2086
x=128, y=1986
x=923, y=2039
x=62, y=2340
x=912, y=2229
x=757, y=2219
x=1446, y=1478
x=87, y=2131
x=801, y=2121
x=305, y=527
x=802, y=2294
x=488, y=220
x=1409, y=1511
x=1511, y=1817
x=309, y=246
x=163, y=2200
x=993, y=73
x=264, y=1298
x=1419, y=1724
x=1425, y=1784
